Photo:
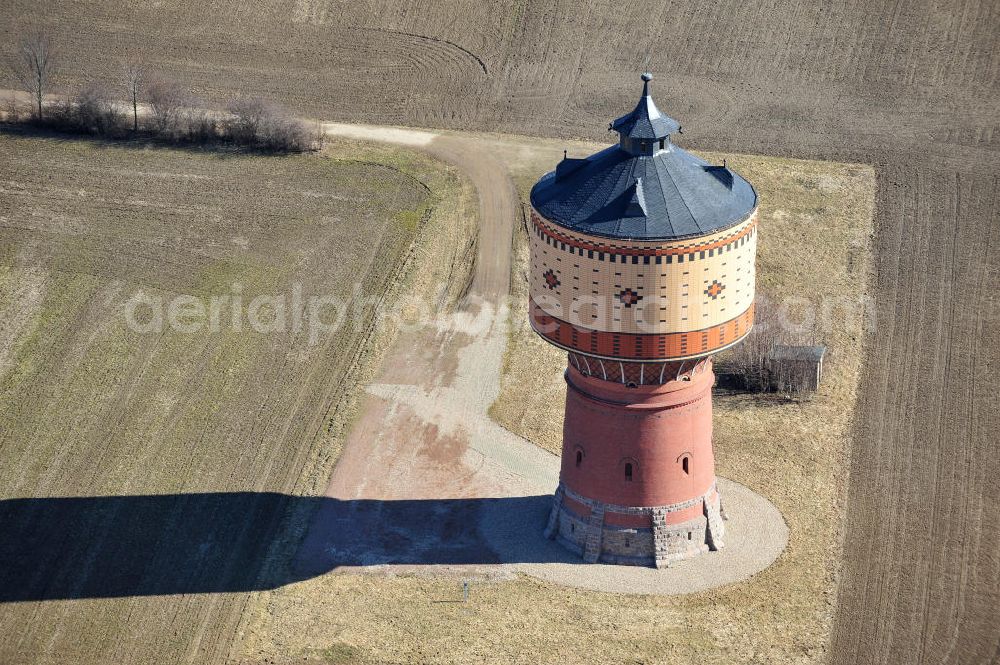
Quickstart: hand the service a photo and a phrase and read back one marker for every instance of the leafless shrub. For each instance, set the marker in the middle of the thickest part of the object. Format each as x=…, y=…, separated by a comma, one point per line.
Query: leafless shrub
x=175, y=115
x=33, y=66
x=248, y=114
x=285, y=133
x=746, y=364
x=94, y=111
x=748, y=359
x=205, y=125
x=178, y=116
x=12, y=109
x=59, y=114
x=260, y=123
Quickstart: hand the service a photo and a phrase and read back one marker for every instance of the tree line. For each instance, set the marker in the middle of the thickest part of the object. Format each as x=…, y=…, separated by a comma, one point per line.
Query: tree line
x=144, y=102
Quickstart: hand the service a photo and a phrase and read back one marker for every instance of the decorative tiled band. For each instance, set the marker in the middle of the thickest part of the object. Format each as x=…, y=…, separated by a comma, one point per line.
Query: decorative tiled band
x=613, y=253
x=639, y=347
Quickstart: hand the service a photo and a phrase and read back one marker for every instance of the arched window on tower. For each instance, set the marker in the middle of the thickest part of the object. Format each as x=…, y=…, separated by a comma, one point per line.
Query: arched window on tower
x=629, y=468
x=579, y=457
x=686, y=465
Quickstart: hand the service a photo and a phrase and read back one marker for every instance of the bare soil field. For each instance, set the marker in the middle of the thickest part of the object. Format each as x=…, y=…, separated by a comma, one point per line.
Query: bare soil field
x=147, y=477
x=909, y=87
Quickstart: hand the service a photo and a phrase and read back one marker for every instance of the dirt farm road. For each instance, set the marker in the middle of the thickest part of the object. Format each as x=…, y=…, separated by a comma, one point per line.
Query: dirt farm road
x=431, y=358
x=421, y=450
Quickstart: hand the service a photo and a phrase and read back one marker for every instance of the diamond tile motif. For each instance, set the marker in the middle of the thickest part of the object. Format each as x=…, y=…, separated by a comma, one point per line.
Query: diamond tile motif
x=550, y=279
x=714, y=289
x=629, y=297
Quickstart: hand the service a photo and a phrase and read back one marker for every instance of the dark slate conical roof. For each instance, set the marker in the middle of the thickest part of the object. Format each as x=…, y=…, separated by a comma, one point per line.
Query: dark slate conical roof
x=640, y=190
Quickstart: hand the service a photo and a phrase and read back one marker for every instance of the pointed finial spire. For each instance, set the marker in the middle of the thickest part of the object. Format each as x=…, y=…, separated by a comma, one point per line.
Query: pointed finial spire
x=646, y=78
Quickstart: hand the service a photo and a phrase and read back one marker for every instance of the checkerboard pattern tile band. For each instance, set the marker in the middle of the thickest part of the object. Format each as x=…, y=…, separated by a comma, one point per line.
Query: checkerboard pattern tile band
x=642, y=253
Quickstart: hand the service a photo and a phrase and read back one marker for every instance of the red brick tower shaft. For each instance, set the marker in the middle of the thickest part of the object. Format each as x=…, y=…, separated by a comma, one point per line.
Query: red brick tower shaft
x=637, y=483
x=658, y=438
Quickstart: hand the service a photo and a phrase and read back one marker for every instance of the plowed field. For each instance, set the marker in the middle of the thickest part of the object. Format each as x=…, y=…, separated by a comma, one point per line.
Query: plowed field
x=148, y=474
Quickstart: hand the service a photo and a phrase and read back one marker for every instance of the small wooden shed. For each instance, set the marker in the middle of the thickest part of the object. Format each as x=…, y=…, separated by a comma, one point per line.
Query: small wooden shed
x=795, y=368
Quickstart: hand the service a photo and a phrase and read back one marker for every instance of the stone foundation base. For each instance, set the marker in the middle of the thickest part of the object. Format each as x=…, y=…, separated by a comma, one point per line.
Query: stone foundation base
x=657, y=543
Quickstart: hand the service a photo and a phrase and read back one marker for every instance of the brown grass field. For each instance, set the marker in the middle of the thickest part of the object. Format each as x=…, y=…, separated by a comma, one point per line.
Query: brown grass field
x=908, y=87
x=178, y=452
x=782, y=615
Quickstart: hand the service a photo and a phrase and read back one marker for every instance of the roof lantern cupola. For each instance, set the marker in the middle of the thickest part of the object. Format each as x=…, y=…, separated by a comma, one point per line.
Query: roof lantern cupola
x=645, y=129
x=645, y=187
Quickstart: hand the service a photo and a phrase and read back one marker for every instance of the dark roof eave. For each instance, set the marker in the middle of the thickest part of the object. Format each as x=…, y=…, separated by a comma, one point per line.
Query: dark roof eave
x=672, y=238
x=549, y=178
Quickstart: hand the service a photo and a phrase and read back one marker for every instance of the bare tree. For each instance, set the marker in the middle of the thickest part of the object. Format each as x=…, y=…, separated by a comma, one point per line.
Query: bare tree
x=134, y=80
x=748, y=359
x=200, y=123
x=33, y=66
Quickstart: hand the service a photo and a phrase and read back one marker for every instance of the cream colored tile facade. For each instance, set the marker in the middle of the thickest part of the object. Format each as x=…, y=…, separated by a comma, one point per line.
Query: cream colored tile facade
x=661, y=288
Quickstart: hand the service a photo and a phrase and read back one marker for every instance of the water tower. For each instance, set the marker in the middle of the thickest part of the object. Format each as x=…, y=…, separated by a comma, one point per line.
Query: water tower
x=642, y=267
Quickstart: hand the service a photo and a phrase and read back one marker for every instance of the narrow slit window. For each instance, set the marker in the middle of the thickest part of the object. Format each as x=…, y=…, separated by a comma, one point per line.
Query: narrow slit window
x=628, y=472
x=579, y=457
x=686, y=465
